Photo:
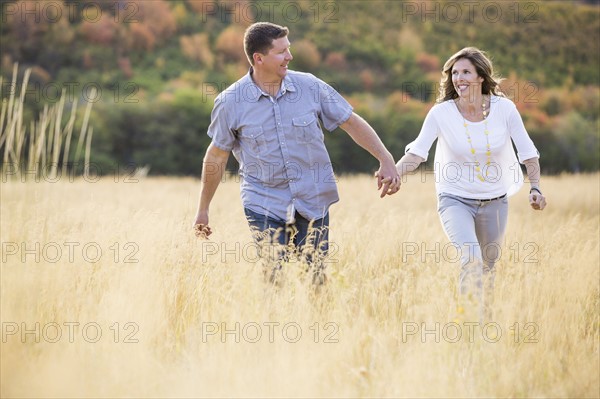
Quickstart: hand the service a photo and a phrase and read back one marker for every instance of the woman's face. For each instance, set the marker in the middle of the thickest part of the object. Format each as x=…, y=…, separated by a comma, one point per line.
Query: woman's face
x=465, y=79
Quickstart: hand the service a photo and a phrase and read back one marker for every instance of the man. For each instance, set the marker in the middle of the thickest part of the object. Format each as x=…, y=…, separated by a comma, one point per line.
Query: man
x=270, y=119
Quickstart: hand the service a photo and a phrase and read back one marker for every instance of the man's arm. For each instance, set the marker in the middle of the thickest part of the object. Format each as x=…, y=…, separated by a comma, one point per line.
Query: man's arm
x=213, y=168
x=364, y=135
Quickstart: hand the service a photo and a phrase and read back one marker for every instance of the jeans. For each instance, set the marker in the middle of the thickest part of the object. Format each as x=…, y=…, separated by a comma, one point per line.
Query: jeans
x=476, y=228
x=277, y=240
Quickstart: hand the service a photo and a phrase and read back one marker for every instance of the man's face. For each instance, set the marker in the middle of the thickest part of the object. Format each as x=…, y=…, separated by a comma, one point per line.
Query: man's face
x=274, y=64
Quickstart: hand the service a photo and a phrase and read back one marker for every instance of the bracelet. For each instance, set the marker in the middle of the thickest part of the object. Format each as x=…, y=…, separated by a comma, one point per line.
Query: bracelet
x=536, y=189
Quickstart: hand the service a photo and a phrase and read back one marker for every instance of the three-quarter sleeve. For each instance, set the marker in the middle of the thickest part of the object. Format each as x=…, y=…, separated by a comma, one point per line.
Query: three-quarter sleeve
x=429, y=132
x=525, y=147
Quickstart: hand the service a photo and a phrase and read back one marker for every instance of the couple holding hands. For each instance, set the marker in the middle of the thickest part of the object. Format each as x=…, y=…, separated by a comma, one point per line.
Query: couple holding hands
x=271, y=119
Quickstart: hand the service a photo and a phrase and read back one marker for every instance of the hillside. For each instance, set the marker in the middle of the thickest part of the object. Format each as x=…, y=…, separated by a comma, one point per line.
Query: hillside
x=158, y=65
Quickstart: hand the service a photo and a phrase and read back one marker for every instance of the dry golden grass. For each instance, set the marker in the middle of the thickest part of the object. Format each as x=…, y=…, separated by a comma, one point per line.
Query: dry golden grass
x=41, y=147
x=181, y=289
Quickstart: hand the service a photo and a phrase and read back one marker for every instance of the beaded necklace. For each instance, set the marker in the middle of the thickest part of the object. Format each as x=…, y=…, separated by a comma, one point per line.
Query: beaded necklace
x=488, y=151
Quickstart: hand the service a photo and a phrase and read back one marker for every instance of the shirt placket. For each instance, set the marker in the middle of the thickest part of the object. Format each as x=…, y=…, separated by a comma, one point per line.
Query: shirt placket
x=283, y=145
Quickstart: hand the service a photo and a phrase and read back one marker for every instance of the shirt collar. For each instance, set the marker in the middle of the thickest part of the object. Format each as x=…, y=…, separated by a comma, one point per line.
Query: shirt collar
x=255, y=92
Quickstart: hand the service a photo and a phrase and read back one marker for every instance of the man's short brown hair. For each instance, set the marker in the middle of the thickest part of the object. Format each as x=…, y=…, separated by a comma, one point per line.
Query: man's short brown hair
x=259, y=38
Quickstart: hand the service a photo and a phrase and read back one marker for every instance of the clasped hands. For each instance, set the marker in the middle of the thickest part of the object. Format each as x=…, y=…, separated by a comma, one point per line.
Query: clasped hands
x=388, y=181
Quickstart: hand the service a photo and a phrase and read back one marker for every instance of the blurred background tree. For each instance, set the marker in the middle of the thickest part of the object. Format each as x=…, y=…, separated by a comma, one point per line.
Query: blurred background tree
x=159, y=64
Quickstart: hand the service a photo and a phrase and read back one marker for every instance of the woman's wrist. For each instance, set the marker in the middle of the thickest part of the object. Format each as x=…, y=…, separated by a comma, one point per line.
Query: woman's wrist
x=535, y=188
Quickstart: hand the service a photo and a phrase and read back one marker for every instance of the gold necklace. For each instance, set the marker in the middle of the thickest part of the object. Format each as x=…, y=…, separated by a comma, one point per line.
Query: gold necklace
x=488, y=151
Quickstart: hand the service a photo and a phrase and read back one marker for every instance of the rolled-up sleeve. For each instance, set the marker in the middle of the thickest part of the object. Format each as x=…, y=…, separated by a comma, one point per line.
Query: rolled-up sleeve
x=525, y=147
x=429, y=132
x=220, y=131
x=335, y=110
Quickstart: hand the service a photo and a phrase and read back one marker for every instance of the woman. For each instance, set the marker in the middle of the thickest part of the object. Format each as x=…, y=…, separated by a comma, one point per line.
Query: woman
x=475, y=165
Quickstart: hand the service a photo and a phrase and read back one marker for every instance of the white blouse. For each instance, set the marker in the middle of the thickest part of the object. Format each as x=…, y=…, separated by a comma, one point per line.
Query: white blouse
x=455, y=164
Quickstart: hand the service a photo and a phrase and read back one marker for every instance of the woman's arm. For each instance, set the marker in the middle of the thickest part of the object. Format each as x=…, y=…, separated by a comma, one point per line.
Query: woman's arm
x=408, y=164
x=536, y=198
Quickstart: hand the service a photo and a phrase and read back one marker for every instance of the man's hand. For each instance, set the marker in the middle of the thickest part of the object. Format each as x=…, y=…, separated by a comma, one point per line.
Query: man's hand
x=201, y=227
x=213, y=168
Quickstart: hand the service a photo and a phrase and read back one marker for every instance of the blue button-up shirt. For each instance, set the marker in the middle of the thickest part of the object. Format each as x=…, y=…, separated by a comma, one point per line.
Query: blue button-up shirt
x=279, y=143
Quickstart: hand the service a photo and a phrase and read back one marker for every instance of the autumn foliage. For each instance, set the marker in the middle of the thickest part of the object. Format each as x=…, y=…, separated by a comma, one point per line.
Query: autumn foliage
x=177, y=55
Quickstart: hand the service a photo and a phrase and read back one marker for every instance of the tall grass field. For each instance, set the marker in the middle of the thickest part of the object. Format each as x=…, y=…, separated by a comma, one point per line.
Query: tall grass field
x=106, y=292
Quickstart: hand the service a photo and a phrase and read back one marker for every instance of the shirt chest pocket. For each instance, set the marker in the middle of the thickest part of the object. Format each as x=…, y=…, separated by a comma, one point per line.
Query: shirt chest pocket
x=306, y=128
x=252, y=139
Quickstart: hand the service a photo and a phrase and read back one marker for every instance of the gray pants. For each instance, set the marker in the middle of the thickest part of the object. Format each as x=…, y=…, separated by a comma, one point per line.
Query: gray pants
x=476, y=228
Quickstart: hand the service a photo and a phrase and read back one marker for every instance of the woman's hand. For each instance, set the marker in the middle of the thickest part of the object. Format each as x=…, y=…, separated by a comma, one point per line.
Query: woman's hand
x=537, y=199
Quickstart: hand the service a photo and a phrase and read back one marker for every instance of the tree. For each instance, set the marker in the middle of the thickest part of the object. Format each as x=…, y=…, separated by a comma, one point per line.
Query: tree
x=579, y=141
x=306, y=55
x=230, y=45
x=156, y=15
x=197, y=48
x=100, y=32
